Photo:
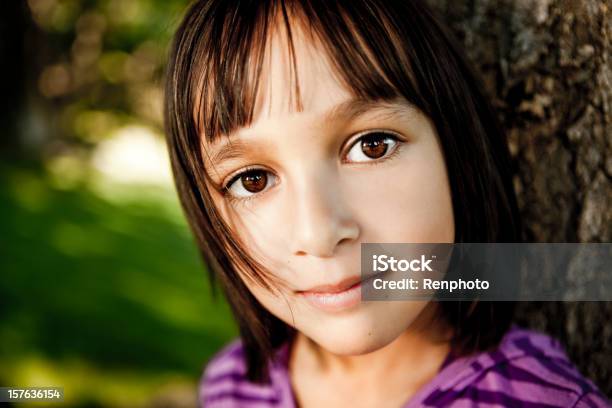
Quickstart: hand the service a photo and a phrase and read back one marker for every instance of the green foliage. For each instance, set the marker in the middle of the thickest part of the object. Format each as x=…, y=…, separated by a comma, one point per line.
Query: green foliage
x=113, y=286
x=103, y=290
x=99, y=56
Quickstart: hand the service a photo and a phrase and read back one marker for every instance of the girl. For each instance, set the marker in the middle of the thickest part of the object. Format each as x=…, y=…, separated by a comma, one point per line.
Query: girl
x=297, y=131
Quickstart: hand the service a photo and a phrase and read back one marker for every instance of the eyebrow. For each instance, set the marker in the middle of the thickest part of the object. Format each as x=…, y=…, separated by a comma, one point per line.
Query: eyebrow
x=346, y=111
x=355, y=107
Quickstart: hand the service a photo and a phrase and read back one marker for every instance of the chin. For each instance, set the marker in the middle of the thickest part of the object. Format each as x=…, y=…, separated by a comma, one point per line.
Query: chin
x=359, y=334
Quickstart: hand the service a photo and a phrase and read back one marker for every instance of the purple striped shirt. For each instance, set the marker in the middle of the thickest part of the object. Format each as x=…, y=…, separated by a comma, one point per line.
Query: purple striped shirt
x=528, y=369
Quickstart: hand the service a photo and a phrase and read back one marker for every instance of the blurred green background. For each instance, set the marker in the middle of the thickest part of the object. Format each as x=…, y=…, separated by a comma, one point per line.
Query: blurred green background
x=103, y=292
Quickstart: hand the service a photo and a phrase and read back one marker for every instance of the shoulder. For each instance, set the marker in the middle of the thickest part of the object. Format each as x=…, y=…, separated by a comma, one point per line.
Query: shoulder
x=224, y=382
x=527, y=369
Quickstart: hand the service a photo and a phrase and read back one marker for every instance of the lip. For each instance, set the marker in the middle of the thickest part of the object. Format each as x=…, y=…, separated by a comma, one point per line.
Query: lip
x=341, y=296
x=341, y=286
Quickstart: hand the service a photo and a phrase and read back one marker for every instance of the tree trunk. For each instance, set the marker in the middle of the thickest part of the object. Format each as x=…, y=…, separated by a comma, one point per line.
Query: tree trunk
x=546, y=65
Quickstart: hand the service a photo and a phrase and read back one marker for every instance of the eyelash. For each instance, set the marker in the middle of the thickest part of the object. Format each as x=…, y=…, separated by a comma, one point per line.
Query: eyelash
x=225, y=189
x=364, y=134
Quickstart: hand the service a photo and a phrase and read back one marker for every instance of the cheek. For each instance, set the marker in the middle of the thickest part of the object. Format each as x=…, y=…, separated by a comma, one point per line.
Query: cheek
x=280, y=304
x=409, y=200
x=259, y=228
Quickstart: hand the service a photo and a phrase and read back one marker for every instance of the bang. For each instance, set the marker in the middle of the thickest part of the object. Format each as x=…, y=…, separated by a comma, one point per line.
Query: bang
x=367, y=50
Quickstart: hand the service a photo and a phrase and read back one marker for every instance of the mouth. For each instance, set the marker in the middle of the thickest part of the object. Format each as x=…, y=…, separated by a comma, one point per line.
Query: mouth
x=341, y=296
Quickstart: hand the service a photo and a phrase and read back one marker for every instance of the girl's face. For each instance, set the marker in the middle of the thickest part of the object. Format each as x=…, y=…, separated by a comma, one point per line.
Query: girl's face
x=305, y=189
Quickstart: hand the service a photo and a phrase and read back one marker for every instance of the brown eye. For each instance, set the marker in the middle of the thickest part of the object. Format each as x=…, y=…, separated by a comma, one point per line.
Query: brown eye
x=254, y=181
x=372, y=146
x=249, y=183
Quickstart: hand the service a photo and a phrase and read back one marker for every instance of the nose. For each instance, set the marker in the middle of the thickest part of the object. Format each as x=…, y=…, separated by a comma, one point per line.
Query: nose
x=322, y=220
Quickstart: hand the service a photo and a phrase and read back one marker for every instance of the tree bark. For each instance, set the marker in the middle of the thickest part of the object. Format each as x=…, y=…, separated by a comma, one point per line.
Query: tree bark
x=546, y=66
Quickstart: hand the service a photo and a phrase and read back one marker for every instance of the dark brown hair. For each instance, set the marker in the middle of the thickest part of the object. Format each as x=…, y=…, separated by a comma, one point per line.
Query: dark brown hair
x=380, y=49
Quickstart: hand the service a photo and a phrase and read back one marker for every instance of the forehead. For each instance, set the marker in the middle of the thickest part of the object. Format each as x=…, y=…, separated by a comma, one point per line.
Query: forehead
x=308, y=67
